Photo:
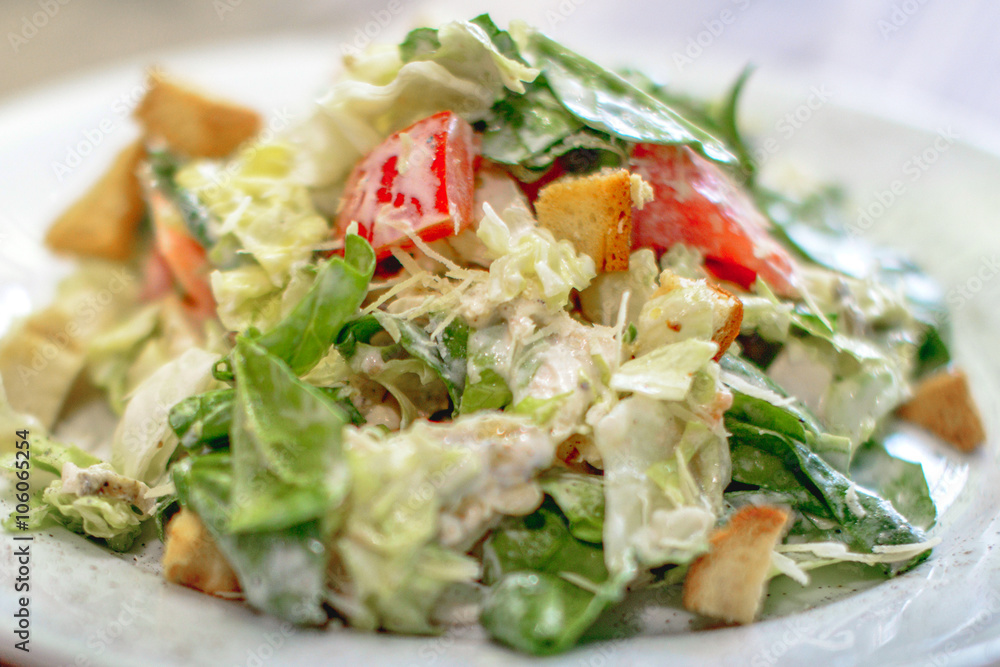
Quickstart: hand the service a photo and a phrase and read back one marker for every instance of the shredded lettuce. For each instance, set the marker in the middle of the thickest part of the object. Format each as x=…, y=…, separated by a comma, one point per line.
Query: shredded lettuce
x=112, y=519
x=528, y=259
x=667, y=372
x=463, y=70
x=258, y=205
x=143, y=441
x=664, y=473
x=409, y=489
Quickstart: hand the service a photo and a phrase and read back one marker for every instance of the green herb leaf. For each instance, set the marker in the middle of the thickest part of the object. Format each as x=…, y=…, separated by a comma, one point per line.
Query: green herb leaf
x=304, y=336
x=548, y=586
x=288, y=465
x=203, y=419
x=606, y=102
x=489, y=393
x=281, y=572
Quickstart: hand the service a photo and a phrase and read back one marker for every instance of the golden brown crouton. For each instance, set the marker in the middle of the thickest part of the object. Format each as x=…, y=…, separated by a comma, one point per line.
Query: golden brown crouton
x=104, y=221
x=594, y=213
x=729, y=581
x=192, y=124
x=39, y=365
x=727, y=309
x=944, y=406
x=191, y=558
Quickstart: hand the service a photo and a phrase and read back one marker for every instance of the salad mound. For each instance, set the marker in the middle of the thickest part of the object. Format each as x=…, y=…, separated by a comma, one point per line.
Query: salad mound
x=494, y=322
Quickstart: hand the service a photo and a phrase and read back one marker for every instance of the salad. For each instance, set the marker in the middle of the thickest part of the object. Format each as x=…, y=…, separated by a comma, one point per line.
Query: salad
x=494, y=323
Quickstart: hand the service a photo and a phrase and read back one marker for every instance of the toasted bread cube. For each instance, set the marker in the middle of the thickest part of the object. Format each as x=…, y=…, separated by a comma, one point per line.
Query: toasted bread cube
x=191, y=558
x=943, y=405
x=729, y=582
x=104, y=222
x=192, y=124
x=727, y=309
x=594, y=213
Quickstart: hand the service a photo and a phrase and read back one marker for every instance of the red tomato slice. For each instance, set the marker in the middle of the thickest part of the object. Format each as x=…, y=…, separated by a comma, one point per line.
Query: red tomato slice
x=420, y=179
x=698, y=204
x=183, y=256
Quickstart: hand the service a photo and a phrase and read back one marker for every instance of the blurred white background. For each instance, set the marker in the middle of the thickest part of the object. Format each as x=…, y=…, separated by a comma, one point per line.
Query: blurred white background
x=903, y=52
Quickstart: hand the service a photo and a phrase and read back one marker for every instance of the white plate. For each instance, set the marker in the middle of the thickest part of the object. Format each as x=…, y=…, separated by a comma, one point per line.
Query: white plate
x=90, y=607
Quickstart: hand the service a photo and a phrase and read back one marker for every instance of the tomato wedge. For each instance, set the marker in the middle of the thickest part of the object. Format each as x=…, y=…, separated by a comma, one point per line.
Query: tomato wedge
x=183, y=256
x=698, y=204
x=420, y=180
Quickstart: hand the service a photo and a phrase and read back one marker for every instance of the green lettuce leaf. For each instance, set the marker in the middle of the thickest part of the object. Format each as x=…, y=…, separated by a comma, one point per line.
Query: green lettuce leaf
x=114, y=520
x=143, y=442
x=282, y=572
x=203, y=419
x=901, y=482
x=528, y=259
x=863, y=520
x=285, y=438
x=608, y=103
x=548, y=586
x=490, y=392
x=303, y=337
x=666, y=372
x=580, y=497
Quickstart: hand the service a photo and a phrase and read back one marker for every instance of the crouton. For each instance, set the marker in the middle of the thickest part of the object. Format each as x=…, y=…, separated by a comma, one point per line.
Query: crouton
x=727, y=309
x=943, y=405
x=729, y=582
x=104, y=222
x=594, y=213
x=190, y=557
x=192, y=124
x=40, y=363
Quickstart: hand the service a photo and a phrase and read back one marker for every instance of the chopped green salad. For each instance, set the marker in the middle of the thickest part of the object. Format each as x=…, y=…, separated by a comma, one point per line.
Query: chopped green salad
x=494, y=322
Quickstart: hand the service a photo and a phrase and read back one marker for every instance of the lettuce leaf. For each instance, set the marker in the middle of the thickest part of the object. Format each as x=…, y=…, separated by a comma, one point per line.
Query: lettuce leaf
x=465, y=67
x=663, y=480
x=667, y=372
x=548, y=586
x=143, y=441
x=862, y=519
x=114, y=520
x=285, y=440
x=580, y=498
x=528, y=259
x=303, y=337
x=608, y=103
x=282, y=572
x=204, y=419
